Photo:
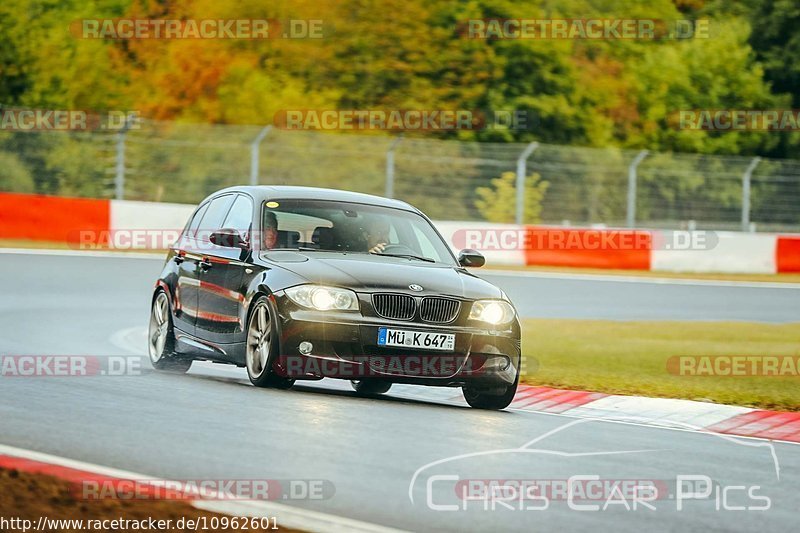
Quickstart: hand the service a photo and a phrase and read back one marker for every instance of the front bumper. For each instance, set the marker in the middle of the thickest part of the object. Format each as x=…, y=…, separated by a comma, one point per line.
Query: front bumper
x=345, y=347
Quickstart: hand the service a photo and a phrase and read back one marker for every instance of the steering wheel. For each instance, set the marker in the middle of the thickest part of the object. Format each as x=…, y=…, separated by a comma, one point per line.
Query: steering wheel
x=401, y=249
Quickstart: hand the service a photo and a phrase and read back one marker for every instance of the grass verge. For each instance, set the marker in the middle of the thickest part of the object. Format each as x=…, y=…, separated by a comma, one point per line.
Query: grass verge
x=631, y=358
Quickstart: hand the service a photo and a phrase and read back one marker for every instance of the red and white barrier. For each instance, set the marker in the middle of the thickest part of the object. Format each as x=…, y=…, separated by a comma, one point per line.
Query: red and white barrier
x=51, y=218
x=787, y=253
x=627, y=249
x=129, y=215
x=733, y=252
x=507, y=252
x=68, y=220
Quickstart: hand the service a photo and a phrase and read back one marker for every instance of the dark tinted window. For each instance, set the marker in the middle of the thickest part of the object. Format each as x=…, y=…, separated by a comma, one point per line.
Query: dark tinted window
x=214, y=216
x=240, y=215
x=354, y=227
x=195, y=223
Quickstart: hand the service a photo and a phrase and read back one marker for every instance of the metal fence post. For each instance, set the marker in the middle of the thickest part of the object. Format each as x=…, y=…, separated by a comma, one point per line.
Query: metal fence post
x=631, y=215
x=748, y=173
x=119, y=169
x=254, y=159
x=390, y=167
x=522, y=164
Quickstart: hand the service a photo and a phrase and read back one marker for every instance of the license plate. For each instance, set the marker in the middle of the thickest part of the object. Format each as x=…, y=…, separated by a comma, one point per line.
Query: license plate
x=416, y=339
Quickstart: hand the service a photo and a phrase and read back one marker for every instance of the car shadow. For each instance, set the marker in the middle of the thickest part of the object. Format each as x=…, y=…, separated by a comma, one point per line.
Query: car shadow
x=309, y=388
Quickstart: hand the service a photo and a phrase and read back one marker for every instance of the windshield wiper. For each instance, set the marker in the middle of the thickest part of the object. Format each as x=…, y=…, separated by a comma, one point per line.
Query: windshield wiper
x=310, y=249
x=408, y=256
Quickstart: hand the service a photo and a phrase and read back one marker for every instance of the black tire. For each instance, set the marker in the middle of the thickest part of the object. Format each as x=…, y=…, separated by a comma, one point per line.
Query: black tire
x=262, y=347
x=161, y=338
x=485, y=400
x=370, y=387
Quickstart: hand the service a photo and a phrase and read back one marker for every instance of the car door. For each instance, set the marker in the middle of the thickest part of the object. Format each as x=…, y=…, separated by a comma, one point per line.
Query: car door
x=220, y=301
x=187, y=280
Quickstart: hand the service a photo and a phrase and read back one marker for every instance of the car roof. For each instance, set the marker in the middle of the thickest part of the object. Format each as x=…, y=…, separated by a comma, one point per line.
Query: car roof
x=290, y=192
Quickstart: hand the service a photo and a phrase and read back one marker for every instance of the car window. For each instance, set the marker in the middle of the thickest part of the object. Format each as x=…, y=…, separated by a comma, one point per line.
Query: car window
x=355, y=228
x=300, y=223
x=426, y=247
x=195, y=223
x=214, y=216
x=240, y=216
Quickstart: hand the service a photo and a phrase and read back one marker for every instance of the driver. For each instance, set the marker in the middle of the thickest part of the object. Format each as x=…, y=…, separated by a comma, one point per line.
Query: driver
x=270, y=230
x=378, y=235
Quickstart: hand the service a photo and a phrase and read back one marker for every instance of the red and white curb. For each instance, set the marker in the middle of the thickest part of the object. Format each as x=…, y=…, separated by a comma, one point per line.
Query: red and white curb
x=663, y=412
x=287, y=516
x=659, y=412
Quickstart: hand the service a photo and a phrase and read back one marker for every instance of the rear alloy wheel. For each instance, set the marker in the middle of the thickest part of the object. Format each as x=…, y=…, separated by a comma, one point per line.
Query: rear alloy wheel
x=490, y=399
x=161, y=338
x=370, y=387
x=262, y=348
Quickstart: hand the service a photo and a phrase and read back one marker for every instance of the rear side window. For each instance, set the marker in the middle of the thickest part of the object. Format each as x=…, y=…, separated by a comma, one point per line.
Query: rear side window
x=195, y=223
x=240, y=215
x=215, y=214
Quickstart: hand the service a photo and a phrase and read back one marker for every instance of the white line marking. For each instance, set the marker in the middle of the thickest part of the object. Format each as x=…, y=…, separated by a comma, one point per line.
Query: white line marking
x=653, y=425
x=640, y=279
x=288, y=516
x=122, y=340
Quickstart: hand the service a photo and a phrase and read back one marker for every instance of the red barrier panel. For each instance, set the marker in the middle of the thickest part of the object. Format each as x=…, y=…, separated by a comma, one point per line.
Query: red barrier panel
x=589, y=248
x=787, y=254
x=51, y=218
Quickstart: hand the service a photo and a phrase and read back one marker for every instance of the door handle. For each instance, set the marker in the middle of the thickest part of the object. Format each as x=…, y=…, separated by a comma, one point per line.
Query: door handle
x=205, y=264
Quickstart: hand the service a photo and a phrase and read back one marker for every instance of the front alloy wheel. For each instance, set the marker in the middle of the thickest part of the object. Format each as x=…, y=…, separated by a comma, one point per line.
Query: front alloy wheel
x=262, y=348
x=161, y=338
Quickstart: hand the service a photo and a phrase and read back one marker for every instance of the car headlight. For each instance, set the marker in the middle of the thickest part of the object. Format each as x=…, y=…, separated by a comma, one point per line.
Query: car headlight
x=323, y=298
x=492, y=312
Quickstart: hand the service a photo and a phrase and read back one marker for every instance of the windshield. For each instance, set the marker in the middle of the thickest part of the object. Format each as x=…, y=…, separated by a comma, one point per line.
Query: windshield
x=351, y=227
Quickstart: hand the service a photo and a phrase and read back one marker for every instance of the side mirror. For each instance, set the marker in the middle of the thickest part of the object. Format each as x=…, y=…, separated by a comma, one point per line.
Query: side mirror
x=228, y=237
x=471, y=258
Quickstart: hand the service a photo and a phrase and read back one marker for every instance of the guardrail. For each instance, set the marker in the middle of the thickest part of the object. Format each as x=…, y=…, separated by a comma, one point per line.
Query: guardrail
x=66, y=220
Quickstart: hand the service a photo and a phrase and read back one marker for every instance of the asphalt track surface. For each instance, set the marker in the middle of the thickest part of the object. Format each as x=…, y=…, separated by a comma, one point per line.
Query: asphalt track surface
x=377, y=453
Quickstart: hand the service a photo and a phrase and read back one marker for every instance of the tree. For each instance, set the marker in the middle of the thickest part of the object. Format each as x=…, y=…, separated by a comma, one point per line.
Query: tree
x=497, y=202
x=14, y=175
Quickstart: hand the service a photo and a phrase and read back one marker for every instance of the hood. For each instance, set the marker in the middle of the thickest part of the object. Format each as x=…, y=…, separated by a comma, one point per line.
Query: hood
x=368, y=273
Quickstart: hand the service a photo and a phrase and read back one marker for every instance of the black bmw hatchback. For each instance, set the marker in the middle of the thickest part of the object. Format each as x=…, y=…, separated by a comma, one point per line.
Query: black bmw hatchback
x=297, y=283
